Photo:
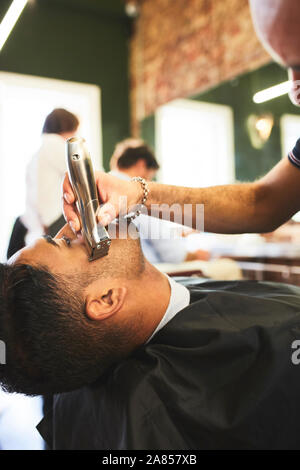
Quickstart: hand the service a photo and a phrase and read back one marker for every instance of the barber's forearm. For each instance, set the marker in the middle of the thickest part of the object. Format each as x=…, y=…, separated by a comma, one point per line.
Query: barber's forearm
x=235, y=208
x=261, y=206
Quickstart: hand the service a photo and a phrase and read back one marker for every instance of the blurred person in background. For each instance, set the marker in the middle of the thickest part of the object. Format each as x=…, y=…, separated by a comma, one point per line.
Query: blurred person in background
x=132, y=157
x=45, y=172
x=161, y=241
x=121, y=147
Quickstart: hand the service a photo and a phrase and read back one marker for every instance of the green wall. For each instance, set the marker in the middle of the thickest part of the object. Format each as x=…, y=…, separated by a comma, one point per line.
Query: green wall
x=83, y=41
x=250, y=162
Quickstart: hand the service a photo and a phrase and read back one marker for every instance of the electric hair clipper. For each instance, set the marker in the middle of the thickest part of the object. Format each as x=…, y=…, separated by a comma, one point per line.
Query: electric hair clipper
x=81, y=175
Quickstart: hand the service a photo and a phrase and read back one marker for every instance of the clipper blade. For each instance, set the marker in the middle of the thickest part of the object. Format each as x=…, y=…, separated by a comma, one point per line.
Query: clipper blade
x=102, y=248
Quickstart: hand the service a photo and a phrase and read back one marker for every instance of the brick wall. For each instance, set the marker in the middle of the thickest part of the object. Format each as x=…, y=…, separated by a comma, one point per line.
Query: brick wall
x=182, y=47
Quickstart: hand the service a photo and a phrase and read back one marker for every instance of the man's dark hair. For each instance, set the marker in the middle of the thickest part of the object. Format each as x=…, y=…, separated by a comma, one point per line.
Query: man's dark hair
x=51, y=344
x=59, y=121
x=131, y=155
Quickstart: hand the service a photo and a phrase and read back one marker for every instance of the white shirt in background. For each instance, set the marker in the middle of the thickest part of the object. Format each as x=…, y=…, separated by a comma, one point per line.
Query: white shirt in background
x=44, y=177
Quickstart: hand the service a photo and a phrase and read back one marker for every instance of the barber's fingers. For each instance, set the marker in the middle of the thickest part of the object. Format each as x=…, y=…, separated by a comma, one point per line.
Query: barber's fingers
x=71, y=216
x=116, y=195
x=108, y=187
x=107, y=213
x=68, y=191
x=69, y=208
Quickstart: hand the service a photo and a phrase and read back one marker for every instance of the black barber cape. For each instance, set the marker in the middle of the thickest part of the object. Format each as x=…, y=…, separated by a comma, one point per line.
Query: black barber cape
x=219, y=375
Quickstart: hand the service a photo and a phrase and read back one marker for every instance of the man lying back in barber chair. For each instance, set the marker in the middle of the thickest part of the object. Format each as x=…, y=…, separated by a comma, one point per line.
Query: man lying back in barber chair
x=138, y=361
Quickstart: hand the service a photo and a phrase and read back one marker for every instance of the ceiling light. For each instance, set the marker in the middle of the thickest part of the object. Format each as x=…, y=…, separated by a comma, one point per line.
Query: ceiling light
x=10, y=19
x=273, y=92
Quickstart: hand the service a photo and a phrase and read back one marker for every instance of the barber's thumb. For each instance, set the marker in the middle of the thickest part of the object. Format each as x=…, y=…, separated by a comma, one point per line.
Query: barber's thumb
x=106, y=214
x=69, y=197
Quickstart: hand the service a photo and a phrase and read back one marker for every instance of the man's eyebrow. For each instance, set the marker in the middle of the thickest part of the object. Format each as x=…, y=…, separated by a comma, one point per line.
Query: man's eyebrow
x=50, y=240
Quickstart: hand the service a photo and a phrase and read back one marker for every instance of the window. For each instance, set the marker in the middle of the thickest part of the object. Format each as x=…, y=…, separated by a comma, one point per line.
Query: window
x=195, y=143
x=25, y=101
x=290, y=132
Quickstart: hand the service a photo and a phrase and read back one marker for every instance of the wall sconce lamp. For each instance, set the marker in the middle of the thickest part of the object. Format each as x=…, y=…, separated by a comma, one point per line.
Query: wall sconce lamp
x=259, y=129
x=132, y=9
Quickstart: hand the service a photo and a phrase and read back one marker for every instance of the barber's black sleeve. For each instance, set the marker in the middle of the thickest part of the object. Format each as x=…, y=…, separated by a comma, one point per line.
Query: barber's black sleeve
x=294, y=155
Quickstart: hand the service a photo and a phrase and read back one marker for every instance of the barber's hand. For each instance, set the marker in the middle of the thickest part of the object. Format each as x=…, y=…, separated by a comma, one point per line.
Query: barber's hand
x=110, y=190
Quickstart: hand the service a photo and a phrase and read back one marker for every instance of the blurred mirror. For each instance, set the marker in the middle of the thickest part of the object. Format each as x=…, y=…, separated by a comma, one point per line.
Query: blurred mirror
x=259, y=133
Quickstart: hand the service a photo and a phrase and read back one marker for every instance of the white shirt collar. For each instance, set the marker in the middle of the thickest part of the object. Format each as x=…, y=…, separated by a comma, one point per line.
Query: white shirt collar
x=179, y=299
x=180, y=295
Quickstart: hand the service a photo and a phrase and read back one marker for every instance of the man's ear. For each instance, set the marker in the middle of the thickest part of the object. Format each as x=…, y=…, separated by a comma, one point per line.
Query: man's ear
x=107, y=303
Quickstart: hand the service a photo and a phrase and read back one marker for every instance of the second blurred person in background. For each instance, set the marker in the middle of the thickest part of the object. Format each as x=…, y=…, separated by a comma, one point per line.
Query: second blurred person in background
x=161, y=241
